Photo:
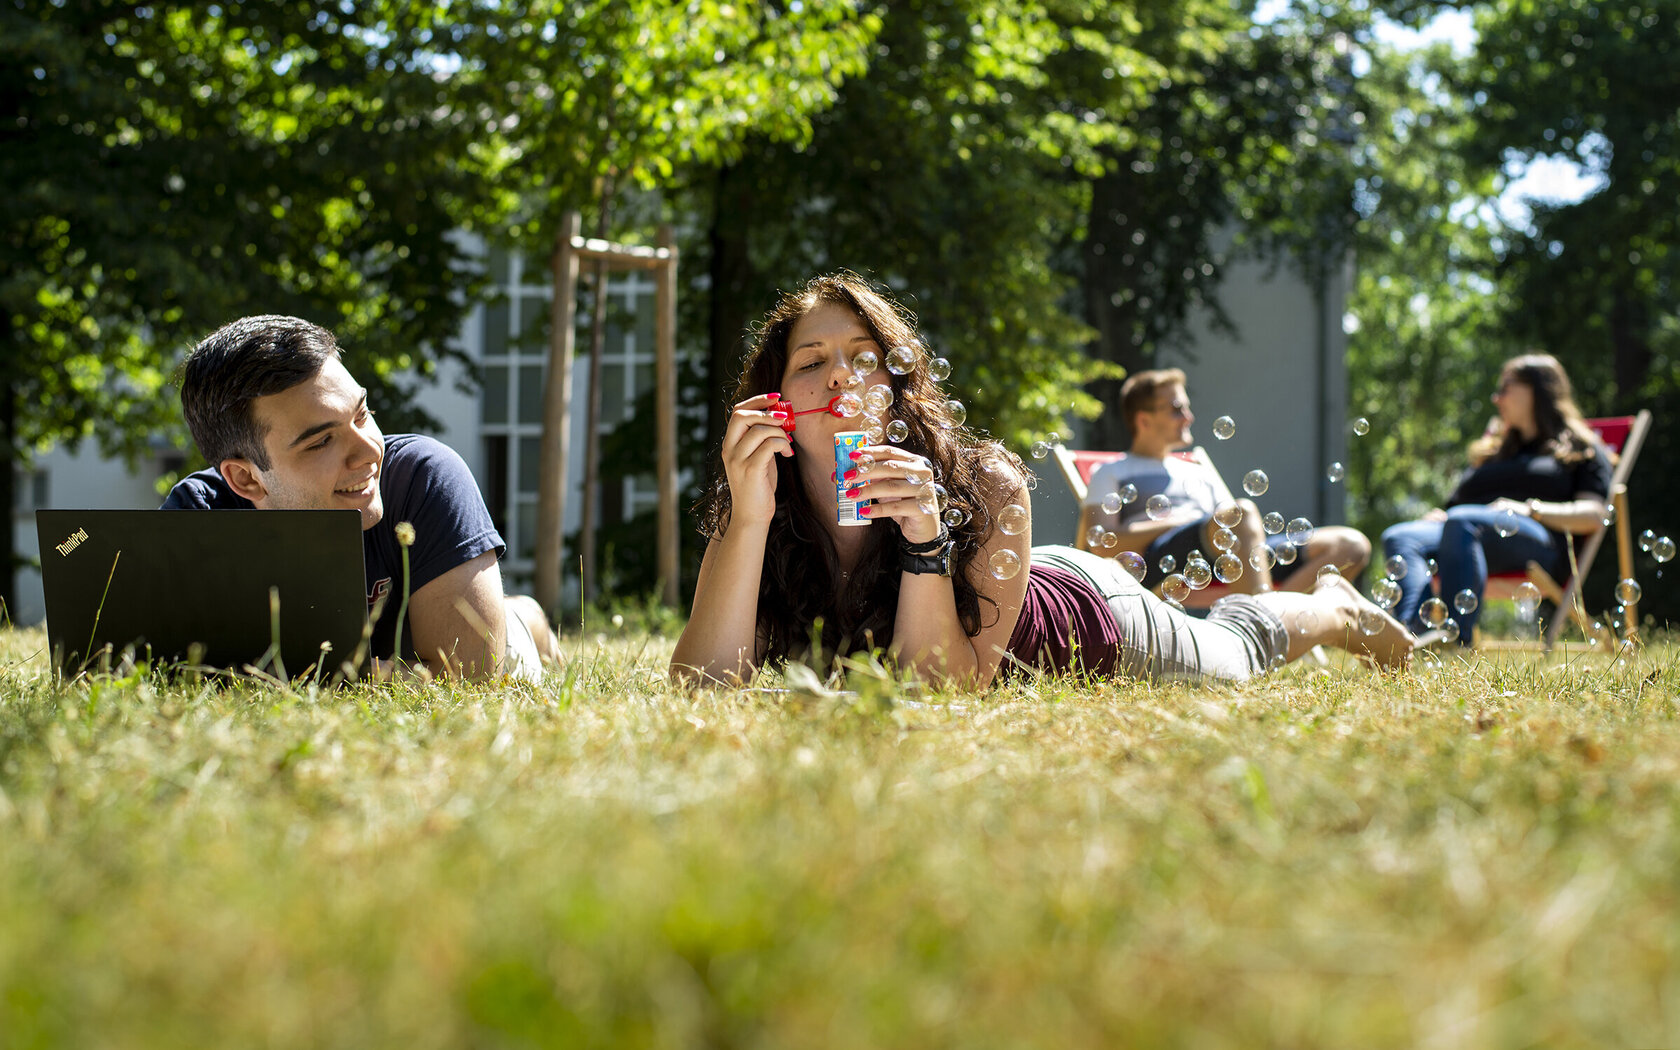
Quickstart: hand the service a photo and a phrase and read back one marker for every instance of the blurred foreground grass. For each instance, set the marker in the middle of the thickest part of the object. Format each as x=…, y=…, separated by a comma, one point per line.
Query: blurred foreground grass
x=1484, y=856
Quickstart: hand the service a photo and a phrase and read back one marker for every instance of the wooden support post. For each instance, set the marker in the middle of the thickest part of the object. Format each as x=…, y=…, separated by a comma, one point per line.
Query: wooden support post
x=1624, y=560
x=557, y=418
x=665, y=417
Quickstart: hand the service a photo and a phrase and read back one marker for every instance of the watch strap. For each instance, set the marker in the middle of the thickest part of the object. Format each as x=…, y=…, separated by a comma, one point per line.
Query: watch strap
x=935, y=563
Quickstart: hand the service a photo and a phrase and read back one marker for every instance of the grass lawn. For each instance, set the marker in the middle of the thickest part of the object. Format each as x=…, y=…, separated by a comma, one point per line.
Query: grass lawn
x=1486, y=855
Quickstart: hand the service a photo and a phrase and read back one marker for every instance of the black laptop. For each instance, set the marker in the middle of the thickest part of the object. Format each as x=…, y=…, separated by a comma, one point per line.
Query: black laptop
x=204, y=588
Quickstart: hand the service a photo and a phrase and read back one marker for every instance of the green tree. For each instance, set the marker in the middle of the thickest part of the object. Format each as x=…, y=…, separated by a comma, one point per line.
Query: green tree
x=172, y=166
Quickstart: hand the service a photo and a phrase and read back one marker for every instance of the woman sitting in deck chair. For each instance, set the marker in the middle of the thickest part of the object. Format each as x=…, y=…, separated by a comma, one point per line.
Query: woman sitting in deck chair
x=949, y=585
x=1536, y=476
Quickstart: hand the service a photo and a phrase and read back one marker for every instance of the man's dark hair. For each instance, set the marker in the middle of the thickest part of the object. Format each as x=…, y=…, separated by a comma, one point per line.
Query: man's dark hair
x=238, y=363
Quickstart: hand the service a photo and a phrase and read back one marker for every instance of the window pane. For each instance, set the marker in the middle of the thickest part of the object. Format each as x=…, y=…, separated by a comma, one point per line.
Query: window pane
x=612, y=392
x=497, y=264
x=495, y=394
x=525, y=547
x=496, y=328
x=495, y=480
x=530, y=464
x=530, y=393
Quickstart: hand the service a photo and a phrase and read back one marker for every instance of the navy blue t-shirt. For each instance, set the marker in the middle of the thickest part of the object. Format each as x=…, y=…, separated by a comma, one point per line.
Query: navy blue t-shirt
x=1532, y=473
x=423, y=482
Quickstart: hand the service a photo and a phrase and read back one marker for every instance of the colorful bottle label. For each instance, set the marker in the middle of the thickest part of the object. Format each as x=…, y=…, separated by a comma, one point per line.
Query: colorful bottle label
x=845, y=443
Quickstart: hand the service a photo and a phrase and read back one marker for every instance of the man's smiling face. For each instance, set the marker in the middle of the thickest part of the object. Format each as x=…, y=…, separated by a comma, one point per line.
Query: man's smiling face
x=324, y=449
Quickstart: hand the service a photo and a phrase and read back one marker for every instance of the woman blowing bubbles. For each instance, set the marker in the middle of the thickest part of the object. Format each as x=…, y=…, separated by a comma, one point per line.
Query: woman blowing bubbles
x=953, y=589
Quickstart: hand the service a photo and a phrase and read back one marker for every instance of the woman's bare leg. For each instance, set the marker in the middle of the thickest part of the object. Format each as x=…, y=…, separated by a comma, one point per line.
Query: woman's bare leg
x=1330, y=615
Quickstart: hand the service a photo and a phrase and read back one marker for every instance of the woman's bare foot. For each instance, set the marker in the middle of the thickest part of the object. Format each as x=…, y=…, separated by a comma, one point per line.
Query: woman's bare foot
x=1390, y=645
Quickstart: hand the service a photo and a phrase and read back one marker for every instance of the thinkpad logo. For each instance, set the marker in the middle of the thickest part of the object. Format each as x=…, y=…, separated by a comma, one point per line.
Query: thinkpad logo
x=75, y=540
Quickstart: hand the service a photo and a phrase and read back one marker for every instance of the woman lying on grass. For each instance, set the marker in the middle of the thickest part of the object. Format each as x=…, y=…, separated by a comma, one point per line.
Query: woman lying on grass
x=953, y=588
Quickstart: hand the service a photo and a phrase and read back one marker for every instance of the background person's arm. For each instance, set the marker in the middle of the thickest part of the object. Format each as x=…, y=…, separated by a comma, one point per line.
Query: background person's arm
x=720, y=641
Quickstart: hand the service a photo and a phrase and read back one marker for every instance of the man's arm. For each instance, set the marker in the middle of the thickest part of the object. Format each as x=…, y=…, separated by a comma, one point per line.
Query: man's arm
x=459, y=620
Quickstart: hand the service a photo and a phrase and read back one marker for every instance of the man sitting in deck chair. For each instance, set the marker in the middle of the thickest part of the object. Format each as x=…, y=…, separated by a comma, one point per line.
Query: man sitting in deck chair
x=1157, y=413
x=284, y=426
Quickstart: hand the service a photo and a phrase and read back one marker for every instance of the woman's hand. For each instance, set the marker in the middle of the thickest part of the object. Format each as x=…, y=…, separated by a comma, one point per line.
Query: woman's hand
x=894, y=485
x=1518, y=507
x=1434, y=514
x=751, y=442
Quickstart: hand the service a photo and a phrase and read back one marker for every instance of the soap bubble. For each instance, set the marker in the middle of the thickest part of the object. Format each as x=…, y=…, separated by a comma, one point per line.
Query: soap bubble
x=956, y=414
x=1175, y=588
x=1133, y=563
x=1335, y=472
x=1110, y=540
x=1227, y=515
x=897, y=431
x=1662, y=549
x=1031, y=482
x=1361, y=426
x=853, y=381
x=1609, y=518
x=939, y=369
x=1465, y=602
x=1013, y=520
x=1433, y=611
x=1272, y=523
x=1111, y=503
x=1224, y=539
x=901, y=360
x=916, y=477
x=1327, y=570
x=1628, y=592
x=864, y=362
x=874, y=434
x=1434, y=569
x=1450, y=631
x=1395, y=566
x=1262, y=558
x=1198, y=572
x=1298, y=531
x=848, y=406
x=864, y=463
x=1386, y=593
x=1306, y=622
x=954, y=517
x=1528, y=601
x=877, y=400
x=1647, y=538
x=1370, y=621
x=927, y=497
x=1227, y=568
x=1093, y=537
x=1128, y=493
x=1255, y=483
x=1505, y=523
x=1158, y=507
x=1006, y=564
x=1224, y=428
x=1040, y=449
x=1286, y=554
x=1168, y=563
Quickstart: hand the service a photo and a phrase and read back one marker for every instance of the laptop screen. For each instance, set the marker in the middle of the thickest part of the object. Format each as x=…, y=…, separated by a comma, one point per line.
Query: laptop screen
x=280, y=591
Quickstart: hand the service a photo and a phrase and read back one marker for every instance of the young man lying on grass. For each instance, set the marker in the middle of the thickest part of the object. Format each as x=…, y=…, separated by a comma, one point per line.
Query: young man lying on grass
x=285, y=427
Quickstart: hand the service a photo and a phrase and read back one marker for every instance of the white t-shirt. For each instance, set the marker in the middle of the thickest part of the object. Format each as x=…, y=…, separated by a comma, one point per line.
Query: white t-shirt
x=1185, y=483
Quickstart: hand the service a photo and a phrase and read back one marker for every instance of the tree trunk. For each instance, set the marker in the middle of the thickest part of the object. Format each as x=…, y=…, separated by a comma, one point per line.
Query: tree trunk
x=9, y=560
x=731, y=285
x=592, y=411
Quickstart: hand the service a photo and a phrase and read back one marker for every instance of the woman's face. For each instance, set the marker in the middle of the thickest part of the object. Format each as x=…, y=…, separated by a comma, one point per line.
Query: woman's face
x=821, y=348
x=1515, y=401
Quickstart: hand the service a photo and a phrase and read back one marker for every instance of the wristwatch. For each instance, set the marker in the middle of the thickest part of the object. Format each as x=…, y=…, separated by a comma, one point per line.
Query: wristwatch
x=936, y=562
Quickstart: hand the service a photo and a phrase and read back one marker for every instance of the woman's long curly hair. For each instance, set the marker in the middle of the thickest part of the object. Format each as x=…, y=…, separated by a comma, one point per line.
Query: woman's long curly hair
x=1560, y=429
x=801, y=585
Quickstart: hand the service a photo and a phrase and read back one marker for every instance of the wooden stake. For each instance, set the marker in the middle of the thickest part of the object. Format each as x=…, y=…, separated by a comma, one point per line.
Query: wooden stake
x=557, y=406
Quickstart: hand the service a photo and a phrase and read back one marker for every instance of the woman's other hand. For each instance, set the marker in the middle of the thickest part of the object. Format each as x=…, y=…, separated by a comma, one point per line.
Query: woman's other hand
x=1518, y=507
x=751, y=442
x=1434, y=514
x=894, y=485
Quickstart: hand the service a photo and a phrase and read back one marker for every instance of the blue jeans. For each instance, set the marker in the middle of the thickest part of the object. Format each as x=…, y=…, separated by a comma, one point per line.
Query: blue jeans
x=1467, y=548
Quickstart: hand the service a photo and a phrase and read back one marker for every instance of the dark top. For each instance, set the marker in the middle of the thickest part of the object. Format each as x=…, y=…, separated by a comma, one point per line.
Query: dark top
x=1533, y=474
x=422, y=481
x=1065, y=625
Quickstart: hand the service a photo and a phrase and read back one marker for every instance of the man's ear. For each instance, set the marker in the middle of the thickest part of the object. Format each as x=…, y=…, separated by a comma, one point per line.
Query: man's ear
x=242, y=476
